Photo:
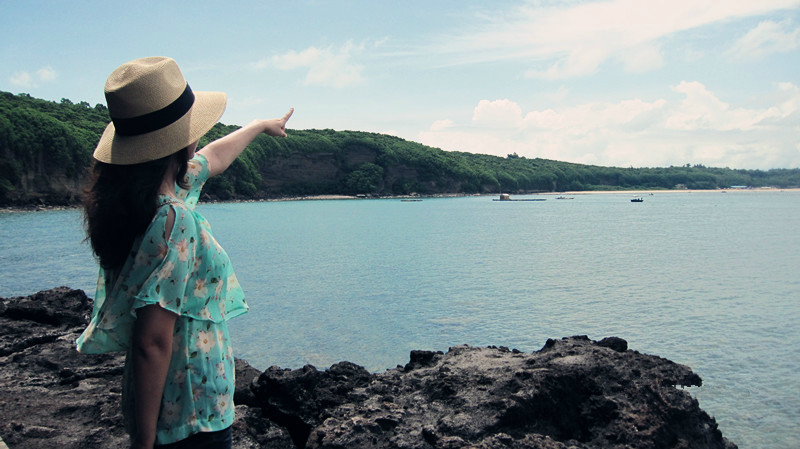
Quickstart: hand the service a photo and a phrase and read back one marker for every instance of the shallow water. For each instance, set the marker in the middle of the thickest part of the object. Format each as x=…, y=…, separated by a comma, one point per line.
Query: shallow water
x=705, y=279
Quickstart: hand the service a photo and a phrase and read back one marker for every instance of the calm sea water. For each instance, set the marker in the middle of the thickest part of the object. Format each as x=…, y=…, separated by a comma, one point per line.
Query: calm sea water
x=705, y=279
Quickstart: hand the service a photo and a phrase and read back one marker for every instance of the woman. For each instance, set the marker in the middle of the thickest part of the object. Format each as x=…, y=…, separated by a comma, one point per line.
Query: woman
x=166, y=288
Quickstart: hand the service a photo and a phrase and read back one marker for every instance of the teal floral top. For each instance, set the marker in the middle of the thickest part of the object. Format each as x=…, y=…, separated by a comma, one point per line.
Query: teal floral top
x=190, y=275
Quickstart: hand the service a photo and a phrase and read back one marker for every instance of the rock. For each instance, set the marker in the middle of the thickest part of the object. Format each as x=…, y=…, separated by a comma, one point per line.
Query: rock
x=572, y=393
x=614, y=343
x=245, y=375
x=52, y=396
x=297, y=399
x=252, y=430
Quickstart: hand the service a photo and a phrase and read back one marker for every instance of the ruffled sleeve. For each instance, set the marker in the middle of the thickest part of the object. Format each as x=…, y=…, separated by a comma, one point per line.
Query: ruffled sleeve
x=186, y=280
x=187, y=273
x=196, y=176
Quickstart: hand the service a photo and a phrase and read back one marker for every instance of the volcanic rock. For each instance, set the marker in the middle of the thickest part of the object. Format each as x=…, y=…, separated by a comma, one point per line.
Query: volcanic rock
x=572, y=393
x=53, y=397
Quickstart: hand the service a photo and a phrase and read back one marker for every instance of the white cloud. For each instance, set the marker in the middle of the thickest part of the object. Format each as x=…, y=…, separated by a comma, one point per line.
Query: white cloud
x=695, y=128
x=589, y=118
x=642, y=58
x=791, y=103
x=766, y=38
x=569, y=39
x=326, y=66
x=578, y=62
x=22, y=79
x=46, y=74
x=701, y=109
x=440, y=125
x=499, y=114
x=27, y=80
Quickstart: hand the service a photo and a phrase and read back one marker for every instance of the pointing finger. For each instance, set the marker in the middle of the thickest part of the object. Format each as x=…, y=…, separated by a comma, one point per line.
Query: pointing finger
x=288, y=114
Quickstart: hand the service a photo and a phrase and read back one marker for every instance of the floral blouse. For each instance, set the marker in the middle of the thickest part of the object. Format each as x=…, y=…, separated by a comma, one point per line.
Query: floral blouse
x=190, y=275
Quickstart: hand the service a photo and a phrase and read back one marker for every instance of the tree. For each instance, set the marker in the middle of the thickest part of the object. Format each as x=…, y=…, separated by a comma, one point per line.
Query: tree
x=365, y=179
x=41, y=140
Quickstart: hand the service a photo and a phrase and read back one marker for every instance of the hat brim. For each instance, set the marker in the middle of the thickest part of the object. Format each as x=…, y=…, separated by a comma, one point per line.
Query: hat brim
x=127, y=150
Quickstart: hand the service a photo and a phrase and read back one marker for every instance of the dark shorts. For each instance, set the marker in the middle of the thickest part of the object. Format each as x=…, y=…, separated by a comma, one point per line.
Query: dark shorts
x=220, y=439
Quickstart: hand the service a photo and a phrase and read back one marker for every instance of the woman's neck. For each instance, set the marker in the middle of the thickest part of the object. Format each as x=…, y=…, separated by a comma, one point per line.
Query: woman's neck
x=168, y=183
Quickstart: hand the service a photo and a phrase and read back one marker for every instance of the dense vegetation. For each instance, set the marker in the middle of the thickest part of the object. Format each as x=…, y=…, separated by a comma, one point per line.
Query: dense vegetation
x=46, y=147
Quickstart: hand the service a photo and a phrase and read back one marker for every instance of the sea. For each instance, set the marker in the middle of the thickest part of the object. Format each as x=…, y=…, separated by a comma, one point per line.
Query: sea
x=706, y=279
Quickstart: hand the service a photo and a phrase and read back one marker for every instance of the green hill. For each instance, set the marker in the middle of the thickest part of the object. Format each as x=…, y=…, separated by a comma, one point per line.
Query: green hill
x=46, y=147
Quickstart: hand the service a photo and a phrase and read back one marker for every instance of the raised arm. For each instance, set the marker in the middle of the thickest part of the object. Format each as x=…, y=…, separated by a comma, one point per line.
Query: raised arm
x=223, y=151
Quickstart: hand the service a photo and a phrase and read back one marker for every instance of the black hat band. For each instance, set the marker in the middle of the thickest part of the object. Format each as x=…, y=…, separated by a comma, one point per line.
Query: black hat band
x=155, y=120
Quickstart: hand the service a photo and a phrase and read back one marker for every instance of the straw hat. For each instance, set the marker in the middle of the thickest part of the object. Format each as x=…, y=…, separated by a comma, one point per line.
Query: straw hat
x=153, y=112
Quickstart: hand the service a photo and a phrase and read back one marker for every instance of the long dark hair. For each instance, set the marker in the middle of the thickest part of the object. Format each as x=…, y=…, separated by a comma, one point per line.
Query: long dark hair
x=121, y=201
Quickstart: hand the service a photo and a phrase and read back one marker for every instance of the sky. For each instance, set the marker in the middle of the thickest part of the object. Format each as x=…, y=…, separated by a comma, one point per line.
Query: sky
x=624, y=83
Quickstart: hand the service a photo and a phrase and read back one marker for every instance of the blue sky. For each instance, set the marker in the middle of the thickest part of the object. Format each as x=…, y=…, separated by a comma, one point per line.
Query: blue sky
x=640, y=83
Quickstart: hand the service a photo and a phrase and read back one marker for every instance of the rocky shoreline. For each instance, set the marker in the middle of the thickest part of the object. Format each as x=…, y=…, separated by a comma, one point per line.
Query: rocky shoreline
x=573, y=393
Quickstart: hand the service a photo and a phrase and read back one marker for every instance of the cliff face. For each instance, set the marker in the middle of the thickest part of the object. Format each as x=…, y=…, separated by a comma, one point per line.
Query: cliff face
x=282, y=174
x=573, y=393
x=55, y=188
x=306, y=173
x=299, y=168
x=40, y=182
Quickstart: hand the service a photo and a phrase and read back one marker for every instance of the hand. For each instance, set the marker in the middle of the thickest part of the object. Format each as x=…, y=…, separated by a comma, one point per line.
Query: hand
x=277, y=127
x=223, y=151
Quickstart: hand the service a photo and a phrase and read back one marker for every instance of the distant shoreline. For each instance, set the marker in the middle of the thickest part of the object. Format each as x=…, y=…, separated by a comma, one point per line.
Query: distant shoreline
x=46, y=207
x=656, y=191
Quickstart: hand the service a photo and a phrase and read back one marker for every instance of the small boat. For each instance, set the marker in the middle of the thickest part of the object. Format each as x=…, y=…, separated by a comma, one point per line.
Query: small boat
x=565, y=197
x=507, y=197
x=638, y=199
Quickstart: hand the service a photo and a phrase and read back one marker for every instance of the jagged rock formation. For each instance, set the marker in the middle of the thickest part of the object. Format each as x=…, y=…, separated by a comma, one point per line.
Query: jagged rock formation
x=573, y=393
x=53, y=397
